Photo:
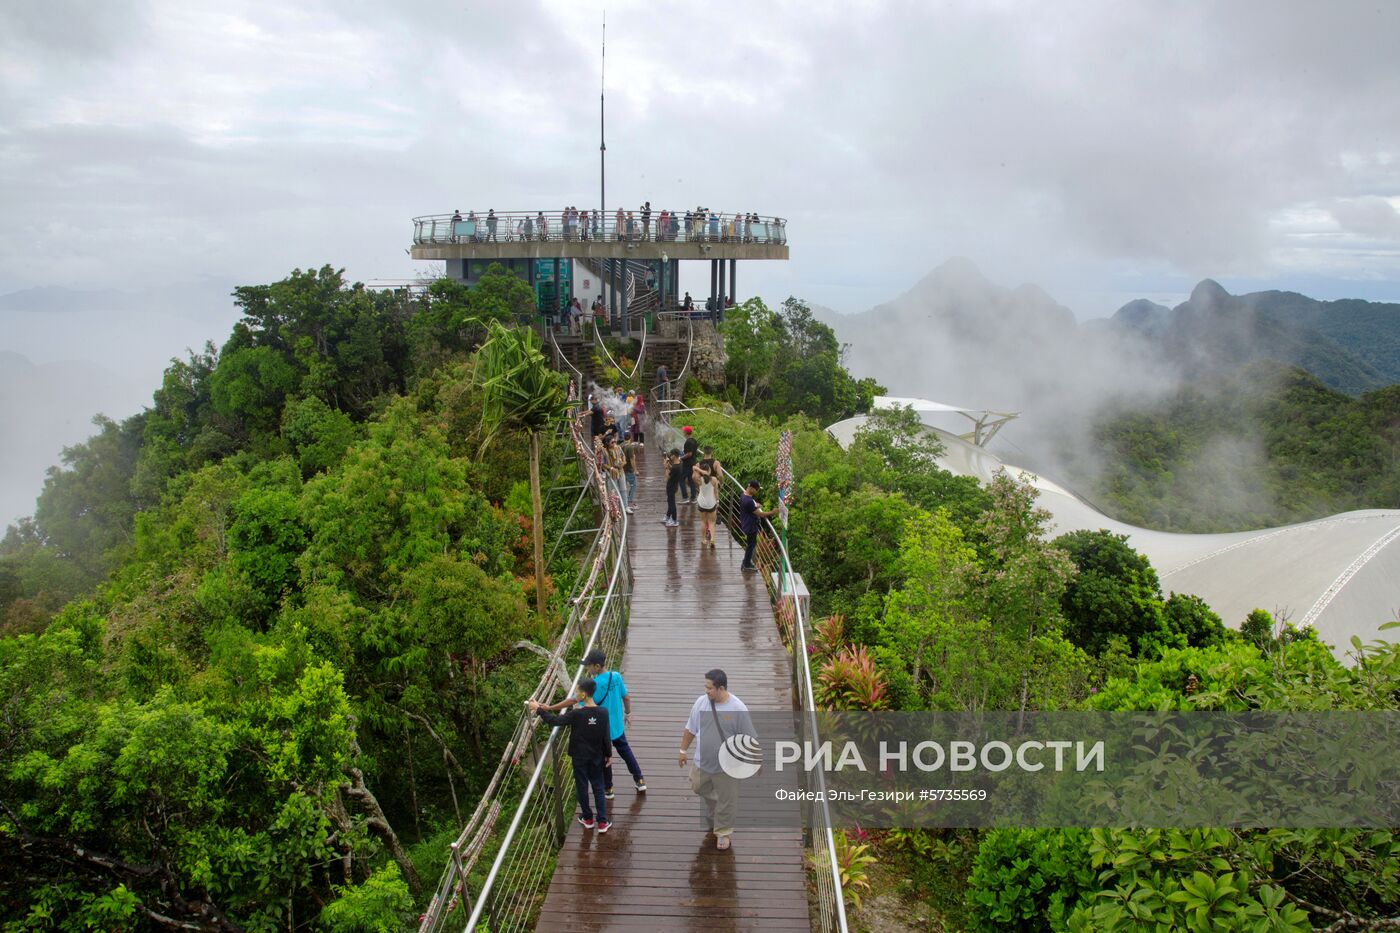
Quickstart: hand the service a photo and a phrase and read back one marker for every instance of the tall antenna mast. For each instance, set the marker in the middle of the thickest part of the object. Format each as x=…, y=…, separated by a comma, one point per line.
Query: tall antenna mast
x=602, y=122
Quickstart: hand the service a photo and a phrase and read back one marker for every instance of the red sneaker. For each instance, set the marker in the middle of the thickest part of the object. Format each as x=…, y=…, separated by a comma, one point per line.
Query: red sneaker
x=587, y=824
x=604, y=826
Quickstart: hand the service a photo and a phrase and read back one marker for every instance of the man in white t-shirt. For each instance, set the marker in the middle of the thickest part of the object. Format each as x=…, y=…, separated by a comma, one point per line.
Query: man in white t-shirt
x=715, y=717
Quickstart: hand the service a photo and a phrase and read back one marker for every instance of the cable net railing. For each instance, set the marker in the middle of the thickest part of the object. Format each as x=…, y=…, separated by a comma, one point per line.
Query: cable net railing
x=702, y=226
x=773, y=562
x=497, y=876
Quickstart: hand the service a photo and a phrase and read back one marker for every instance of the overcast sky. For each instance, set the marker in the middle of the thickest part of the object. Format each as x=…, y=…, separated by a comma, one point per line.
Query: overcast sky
x=1102, y=150
x=1105, y=151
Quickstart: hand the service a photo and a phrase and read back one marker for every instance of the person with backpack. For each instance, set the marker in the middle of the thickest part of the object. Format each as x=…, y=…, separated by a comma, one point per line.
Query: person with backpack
x=749, y=515
x=590, y=749
x=630, y=446
x=717, y=715
x=610, y=692
x=689, y=449
x=707, y=479
x=675, y=472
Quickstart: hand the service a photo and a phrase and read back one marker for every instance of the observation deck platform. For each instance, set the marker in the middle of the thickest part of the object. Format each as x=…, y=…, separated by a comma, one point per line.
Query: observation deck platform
x=548, y=235
x=657, y=867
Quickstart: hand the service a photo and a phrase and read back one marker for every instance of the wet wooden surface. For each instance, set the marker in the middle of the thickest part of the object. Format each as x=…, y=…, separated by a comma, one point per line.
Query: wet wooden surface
x=657, y=868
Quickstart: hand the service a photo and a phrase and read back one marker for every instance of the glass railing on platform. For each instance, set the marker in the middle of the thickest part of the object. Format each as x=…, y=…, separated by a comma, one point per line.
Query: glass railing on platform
x=569, y=226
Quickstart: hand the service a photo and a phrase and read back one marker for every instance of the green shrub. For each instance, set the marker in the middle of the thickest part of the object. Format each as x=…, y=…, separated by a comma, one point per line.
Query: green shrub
x=1030, y=879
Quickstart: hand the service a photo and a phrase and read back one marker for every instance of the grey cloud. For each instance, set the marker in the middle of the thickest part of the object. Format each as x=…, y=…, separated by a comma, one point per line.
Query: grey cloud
x=1368, y=216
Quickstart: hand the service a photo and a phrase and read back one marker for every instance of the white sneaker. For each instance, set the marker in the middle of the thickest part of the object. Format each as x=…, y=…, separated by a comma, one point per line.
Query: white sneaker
x=631, y=511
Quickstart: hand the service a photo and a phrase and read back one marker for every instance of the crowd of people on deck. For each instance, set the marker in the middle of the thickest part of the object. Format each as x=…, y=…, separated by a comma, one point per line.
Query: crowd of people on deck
x=599, y=710
x=701, y=225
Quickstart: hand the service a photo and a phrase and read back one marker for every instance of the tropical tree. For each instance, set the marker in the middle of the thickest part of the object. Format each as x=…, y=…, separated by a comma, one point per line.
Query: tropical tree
x=520, y=390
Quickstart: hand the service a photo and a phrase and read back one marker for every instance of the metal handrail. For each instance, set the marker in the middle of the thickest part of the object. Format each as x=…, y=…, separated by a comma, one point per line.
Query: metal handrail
x=834, y=914
x=543, y=756
x=679, y=379
x=608, y=543
x=526, y=227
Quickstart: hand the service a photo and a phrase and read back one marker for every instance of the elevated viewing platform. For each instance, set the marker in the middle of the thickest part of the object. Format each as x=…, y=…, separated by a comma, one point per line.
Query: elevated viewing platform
x=589, y=235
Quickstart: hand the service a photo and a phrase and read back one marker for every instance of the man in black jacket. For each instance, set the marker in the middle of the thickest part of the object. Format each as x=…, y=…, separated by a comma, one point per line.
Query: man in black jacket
x=589, y=747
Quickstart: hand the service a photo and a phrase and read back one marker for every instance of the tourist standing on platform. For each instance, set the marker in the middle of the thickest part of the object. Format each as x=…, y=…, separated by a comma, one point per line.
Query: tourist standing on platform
x=749, y=514
x=600, y=317
x=639, y=414
x=663, y=382
x=615, y=461
x=598, y=416
x=708, y=473
x=610, y=693
x=589, y=748
x=689, y=459
x=715, y=717
x=618, y=225
x=491, y=224
x=674, y=473
x=630, y=446
x=646, y=221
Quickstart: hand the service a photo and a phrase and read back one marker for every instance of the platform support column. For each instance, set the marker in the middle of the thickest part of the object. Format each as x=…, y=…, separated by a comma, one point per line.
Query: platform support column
x=559, y=302
x=612, y=293
x=714, y=284
x=719, y=301
x=626, y=306
x=733, y=274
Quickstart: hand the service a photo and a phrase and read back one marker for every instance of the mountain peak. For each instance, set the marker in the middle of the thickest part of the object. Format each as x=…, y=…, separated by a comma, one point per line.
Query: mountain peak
x=1208, y=292
x=957, y=270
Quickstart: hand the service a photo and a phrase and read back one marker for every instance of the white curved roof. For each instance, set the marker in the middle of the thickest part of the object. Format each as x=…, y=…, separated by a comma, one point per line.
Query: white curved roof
x=1339, y=574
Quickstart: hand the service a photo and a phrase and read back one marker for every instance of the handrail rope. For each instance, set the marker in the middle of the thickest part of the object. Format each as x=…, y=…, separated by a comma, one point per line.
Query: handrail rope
x=636, y=365
x=809, y=700
x=612, y=513
x=557, y=349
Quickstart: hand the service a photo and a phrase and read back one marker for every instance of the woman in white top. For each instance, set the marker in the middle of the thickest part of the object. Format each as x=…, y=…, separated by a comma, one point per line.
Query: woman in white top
x=708, y=474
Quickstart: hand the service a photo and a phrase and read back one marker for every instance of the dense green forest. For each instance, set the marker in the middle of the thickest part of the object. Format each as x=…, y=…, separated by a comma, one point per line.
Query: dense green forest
x=257, y=653
x=1264, y=445
x=933, y=593
x=258, y=639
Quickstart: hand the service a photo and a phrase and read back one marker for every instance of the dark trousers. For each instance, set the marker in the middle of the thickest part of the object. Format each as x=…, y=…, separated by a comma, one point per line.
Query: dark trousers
x=692, y=488
x=622, y=748
x=671, y=501
x=589, y=774
x=749, y=548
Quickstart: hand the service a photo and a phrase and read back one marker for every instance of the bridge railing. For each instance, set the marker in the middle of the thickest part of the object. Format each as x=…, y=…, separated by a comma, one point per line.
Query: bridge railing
x=771, y=557
x=533, y=782
x=552, y=227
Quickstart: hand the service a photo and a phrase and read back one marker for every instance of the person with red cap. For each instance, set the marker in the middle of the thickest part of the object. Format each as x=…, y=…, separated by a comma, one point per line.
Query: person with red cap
x=689, y=488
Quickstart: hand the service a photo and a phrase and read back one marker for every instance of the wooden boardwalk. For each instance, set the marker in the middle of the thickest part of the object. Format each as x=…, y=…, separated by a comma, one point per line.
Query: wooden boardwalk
x=658, y=868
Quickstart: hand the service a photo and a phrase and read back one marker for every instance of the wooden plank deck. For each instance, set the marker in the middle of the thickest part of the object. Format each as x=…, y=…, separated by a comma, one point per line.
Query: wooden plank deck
x=657, y=867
